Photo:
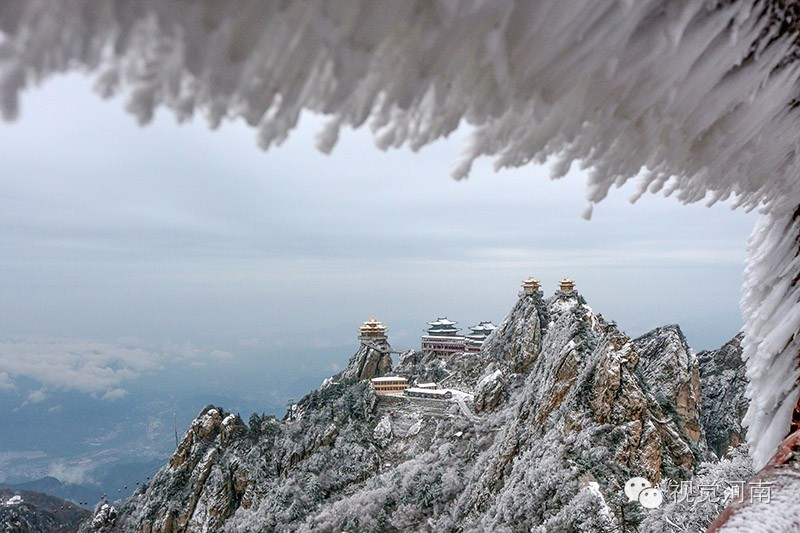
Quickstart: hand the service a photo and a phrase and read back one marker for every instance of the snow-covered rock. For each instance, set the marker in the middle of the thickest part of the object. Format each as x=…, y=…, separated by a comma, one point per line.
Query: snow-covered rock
x=383, y=432
x=518, y=338
x=670, y=368
x=491, y=392
x=104, y=518
x=373, y=359
x=722, y=390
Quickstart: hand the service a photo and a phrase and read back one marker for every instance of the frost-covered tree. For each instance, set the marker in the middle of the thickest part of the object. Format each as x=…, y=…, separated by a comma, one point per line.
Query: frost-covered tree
x=692, y=505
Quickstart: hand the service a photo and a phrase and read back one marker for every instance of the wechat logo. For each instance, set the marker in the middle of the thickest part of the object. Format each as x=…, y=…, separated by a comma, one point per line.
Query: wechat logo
x=640, y=490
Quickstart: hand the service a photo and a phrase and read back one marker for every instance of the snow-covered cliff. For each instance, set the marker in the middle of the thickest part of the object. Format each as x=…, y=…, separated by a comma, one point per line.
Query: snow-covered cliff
x=722, y=386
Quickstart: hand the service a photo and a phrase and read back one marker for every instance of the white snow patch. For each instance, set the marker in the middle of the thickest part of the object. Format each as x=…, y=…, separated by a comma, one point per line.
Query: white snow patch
x=461, y=395
x=605, y=510
x=494, y=376
x=776, y=509
x=415, y=428
x=383, y=431
x=562, y=305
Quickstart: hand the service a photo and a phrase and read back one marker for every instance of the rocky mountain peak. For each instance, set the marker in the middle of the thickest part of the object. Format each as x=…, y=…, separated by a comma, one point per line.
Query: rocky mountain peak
x=518, y=338
x=670, y=369
x=573, y=377
x=565, y=408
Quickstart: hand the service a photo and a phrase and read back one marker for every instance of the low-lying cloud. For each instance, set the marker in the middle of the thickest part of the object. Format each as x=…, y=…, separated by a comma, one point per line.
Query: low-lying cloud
x=5, y=382
x=94, y=367
x=75, y=474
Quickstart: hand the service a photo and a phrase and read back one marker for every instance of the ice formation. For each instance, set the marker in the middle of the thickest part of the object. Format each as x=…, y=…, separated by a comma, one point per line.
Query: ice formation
x=695, y=98
x=771, y=346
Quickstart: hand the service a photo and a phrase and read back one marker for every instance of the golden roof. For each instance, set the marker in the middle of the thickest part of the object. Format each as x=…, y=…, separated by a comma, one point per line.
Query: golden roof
x=373, y=325
x=567, y=283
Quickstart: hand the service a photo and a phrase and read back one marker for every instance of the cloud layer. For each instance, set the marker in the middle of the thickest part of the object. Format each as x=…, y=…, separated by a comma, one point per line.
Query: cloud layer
x=95, y=367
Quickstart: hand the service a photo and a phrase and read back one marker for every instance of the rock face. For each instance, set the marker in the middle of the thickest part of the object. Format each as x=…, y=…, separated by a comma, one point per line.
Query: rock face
x=199, y=463
x=566, y=409
x=518, y=338
x=491, y=392
x=373, y=359
x=579, y=403
x=722, y=386
x=105, y=517
x=670, y=369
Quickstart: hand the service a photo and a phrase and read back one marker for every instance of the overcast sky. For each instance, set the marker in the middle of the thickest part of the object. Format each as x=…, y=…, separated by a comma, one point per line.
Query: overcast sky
x=175, y=235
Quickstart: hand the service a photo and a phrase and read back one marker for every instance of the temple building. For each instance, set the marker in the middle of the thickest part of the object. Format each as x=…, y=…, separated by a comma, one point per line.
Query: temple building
x=566, y=285
x=474, y=340
x=530, y=286
x=373, y=330
x=442, y=338
x=389, y=385
x=434, y=394
x=374, y=355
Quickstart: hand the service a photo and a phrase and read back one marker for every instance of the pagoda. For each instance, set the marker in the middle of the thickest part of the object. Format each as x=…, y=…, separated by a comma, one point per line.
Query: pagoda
x=530, y=285
x=372, y=330
x=442, y=327
x=442, y=338
x=474, y=340
x=566, y=285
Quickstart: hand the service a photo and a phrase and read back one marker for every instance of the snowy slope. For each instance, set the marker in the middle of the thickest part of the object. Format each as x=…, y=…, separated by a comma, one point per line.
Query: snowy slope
x=696, y=98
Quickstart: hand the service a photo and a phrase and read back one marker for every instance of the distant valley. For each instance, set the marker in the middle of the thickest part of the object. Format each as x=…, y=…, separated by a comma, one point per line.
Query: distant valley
x=78, y=447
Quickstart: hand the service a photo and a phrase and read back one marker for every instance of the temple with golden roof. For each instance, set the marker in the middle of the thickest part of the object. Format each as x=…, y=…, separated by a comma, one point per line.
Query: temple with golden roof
x=372, y=330
x=566, y=285
x=530, y=285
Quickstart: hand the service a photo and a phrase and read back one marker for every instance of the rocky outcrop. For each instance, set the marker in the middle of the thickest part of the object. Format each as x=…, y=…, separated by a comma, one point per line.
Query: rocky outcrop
x=722, y=388
x=669, y=368
x=491, y=392
x=105, y=517
x=518, y=338
x=223, y=469
x=373, y=359
x=204, y=481
x=580, y=403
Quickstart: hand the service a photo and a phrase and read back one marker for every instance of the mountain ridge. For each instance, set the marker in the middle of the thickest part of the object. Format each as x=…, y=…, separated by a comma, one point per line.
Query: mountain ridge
x=554, y=413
